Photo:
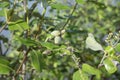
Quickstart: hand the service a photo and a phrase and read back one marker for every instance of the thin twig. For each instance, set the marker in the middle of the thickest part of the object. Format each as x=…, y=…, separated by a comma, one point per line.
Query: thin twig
x=69, y=17
x=1, y=29
x=104, y=56
x=24, y=59
x=76, y=60
x=0, y=48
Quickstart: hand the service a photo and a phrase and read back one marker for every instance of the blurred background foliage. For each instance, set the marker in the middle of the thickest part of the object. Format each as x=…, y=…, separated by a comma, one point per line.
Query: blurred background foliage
x=53, y=32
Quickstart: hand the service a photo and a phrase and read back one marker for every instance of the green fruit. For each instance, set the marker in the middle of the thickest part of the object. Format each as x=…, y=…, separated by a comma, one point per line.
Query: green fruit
x=55, y=33
x=63, y=31
x=57, y=40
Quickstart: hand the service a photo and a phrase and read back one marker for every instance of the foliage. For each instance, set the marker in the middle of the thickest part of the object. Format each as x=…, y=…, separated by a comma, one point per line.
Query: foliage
x=59, y=39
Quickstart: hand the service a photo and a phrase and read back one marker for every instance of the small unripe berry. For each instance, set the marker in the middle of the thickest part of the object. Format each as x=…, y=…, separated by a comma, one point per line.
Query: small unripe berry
x=57, y=40
x=63, y=31
x=55, y=33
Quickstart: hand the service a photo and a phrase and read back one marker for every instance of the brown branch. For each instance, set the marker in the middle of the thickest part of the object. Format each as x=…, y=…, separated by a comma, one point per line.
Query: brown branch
x=24, y=59
x=27, y=15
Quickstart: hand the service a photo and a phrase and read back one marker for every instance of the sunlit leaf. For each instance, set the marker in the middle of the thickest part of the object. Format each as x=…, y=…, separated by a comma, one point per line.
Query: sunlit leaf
x=59, y=6
x=4, y=66
x=2, y=13
x=18, y=25
x=24, y=25
x=91, y=70
x=4, y=69
x=37, y=60
x=3, y=60
x=80, y=1
x=79, y=75
x=92, y=43
x=109, y=65
x=3, y=4
x=28, y=41
x=110, y=50
x=117, y=47
x=49, y=45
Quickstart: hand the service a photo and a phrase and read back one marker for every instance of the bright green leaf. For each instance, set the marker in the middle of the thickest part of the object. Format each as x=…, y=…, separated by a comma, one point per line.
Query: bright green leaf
x=80, y=1
x=59, y=6
x=110, y=50
x=24, y=25
x=4, y=66
x=27, y=41
x=2, y=13
x=4, y=69
x=91, y=70
x=117, y=47
x=79, y=75
x=15, y=27
x=3, y=4
x=109, y=65
x=37, y=60
x=49, y=45
x=3, y=60
x=18, y=25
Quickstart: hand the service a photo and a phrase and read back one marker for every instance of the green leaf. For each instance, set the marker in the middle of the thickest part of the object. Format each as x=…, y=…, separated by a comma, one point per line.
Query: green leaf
x=49, y=45
x=2, y=14
x=3, y=60
x=4, y=69
x=109, y=65
x=15, y=27
x=4, y=66
x=110, y=50
x=27, y=41
x=24, y=25
x=79, y=75
x=117, y=47
x=80, y=1
x=37, y=60
x=91, y=70
x=18, y=25
x=4, y=4
x=59, y=6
